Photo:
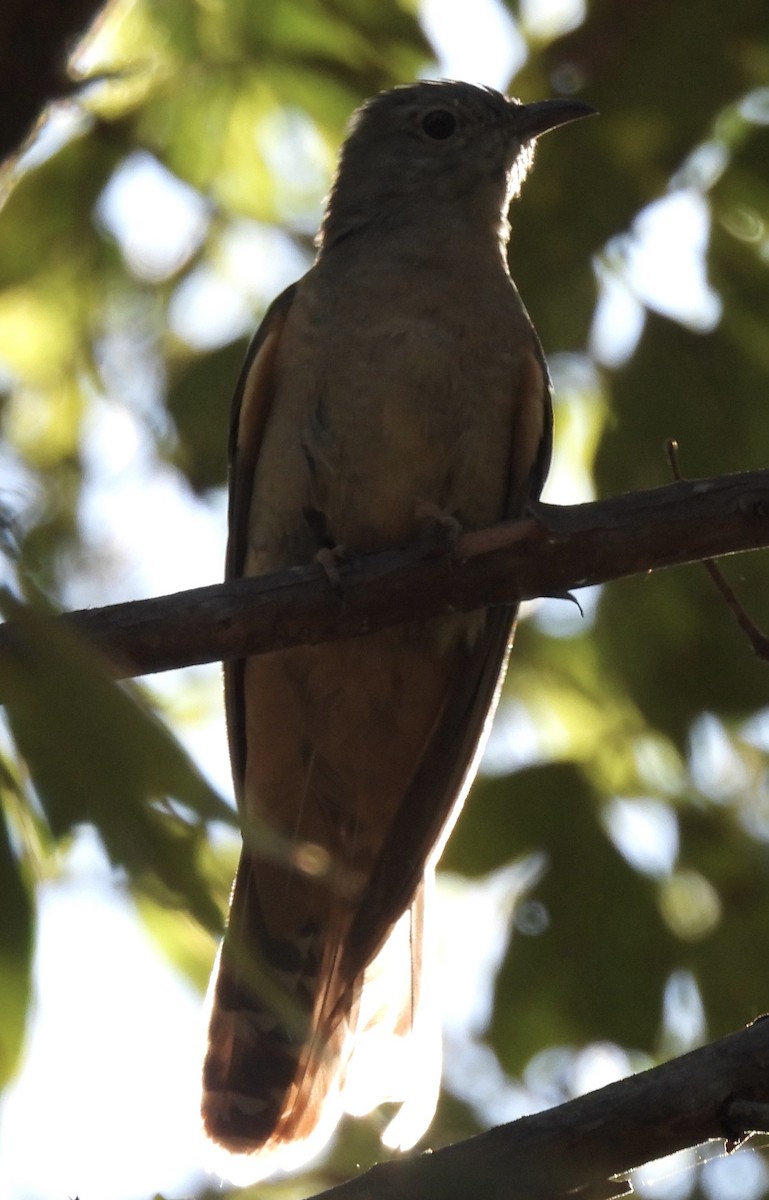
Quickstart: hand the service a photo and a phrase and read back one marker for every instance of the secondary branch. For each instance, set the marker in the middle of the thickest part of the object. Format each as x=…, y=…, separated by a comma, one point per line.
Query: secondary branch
x=576, y=1149
x=556, y=551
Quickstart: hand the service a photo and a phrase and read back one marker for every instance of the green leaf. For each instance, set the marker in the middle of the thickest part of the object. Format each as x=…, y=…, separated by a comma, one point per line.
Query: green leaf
x=729, y=952
x=17, y=926
x=97, y=754
x=589, y=953
x=183, y=942
x=199, y=402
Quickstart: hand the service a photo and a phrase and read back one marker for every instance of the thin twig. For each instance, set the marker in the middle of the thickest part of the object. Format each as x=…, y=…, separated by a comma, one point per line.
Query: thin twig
x=758, y=640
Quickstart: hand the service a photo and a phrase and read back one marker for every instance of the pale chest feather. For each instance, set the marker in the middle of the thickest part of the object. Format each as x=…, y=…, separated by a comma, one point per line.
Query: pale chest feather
x=383, y=406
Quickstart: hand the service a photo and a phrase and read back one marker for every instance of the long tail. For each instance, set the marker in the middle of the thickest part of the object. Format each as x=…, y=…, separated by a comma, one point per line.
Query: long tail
x=284, y=1022
x=280, y=1017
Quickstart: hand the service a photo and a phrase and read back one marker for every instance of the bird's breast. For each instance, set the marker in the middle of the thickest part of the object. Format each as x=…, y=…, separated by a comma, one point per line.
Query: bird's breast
x=393, y=397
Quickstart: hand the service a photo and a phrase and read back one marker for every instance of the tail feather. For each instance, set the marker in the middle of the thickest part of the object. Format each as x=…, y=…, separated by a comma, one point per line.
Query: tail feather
x=280, y=1069
x=358, y=748
x=280, y=1017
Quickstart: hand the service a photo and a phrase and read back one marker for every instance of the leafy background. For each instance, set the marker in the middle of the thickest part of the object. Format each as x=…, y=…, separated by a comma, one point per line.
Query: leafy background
x=617, y=847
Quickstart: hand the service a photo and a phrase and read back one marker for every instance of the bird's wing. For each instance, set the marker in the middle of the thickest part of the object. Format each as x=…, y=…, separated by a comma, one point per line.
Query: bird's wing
x=251, y=406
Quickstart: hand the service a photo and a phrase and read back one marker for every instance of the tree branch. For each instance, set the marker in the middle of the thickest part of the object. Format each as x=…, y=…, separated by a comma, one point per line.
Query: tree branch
x=559, y=549
x=35, y=40
x=576, y=1149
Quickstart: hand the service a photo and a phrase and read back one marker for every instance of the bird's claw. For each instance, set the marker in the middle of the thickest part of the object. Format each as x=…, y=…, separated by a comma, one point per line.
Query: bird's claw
x=329, y=558
x=439, y=531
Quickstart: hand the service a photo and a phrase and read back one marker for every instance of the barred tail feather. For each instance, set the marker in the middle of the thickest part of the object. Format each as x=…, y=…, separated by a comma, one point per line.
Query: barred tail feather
x=281, y=1105
x=275, y=1086
x=280, y=1020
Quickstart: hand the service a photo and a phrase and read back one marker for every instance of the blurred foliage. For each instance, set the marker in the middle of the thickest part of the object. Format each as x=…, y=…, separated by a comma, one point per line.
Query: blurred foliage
x=651, y=709
x=98, y=756
x=16, y=935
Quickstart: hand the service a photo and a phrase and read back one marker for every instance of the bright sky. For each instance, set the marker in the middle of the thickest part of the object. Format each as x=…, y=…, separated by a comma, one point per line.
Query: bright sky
x=106, y=1105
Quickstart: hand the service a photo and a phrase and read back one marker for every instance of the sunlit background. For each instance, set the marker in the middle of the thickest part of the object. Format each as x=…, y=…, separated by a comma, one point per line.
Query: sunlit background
x=106, y=1105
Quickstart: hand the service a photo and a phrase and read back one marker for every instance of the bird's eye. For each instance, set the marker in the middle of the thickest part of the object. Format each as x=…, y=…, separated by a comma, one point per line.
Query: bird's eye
x=439, y=124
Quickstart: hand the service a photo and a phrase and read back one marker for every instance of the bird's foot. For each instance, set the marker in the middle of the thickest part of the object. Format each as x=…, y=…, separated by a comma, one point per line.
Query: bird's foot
x=329, y=558
x=565, y=596
x=438, y=530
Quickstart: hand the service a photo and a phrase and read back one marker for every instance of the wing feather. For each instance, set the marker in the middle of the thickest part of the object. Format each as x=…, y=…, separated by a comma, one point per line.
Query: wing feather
x=251, y=407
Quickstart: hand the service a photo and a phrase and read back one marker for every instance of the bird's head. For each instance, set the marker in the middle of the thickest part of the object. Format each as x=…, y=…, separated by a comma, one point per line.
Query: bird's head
x=440, y=145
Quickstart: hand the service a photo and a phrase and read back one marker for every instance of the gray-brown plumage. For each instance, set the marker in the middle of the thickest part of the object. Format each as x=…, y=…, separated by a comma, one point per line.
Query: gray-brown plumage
x=400, y=375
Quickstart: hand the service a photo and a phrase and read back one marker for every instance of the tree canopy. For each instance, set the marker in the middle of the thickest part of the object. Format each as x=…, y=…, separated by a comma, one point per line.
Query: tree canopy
x=626, y=806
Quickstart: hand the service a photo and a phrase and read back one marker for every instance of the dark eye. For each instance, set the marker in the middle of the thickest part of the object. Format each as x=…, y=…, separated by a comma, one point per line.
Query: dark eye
x=439, y=124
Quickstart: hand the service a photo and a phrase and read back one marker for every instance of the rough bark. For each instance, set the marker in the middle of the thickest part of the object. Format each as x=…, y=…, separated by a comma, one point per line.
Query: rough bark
x=577, y=1149
x=550, y=554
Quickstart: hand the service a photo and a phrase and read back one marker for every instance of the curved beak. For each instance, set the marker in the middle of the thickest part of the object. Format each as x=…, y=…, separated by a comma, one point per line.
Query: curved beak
x=532, y=120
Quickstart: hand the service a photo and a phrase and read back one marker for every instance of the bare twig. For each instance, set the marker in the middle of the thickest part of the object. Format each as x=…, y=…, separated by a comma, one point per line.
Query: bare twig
x=758, y=640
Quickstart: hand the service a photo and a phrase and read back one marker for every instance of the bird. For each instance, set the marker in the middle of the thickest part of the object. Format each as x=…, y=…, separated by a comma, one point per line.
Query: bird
x=398, y=386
